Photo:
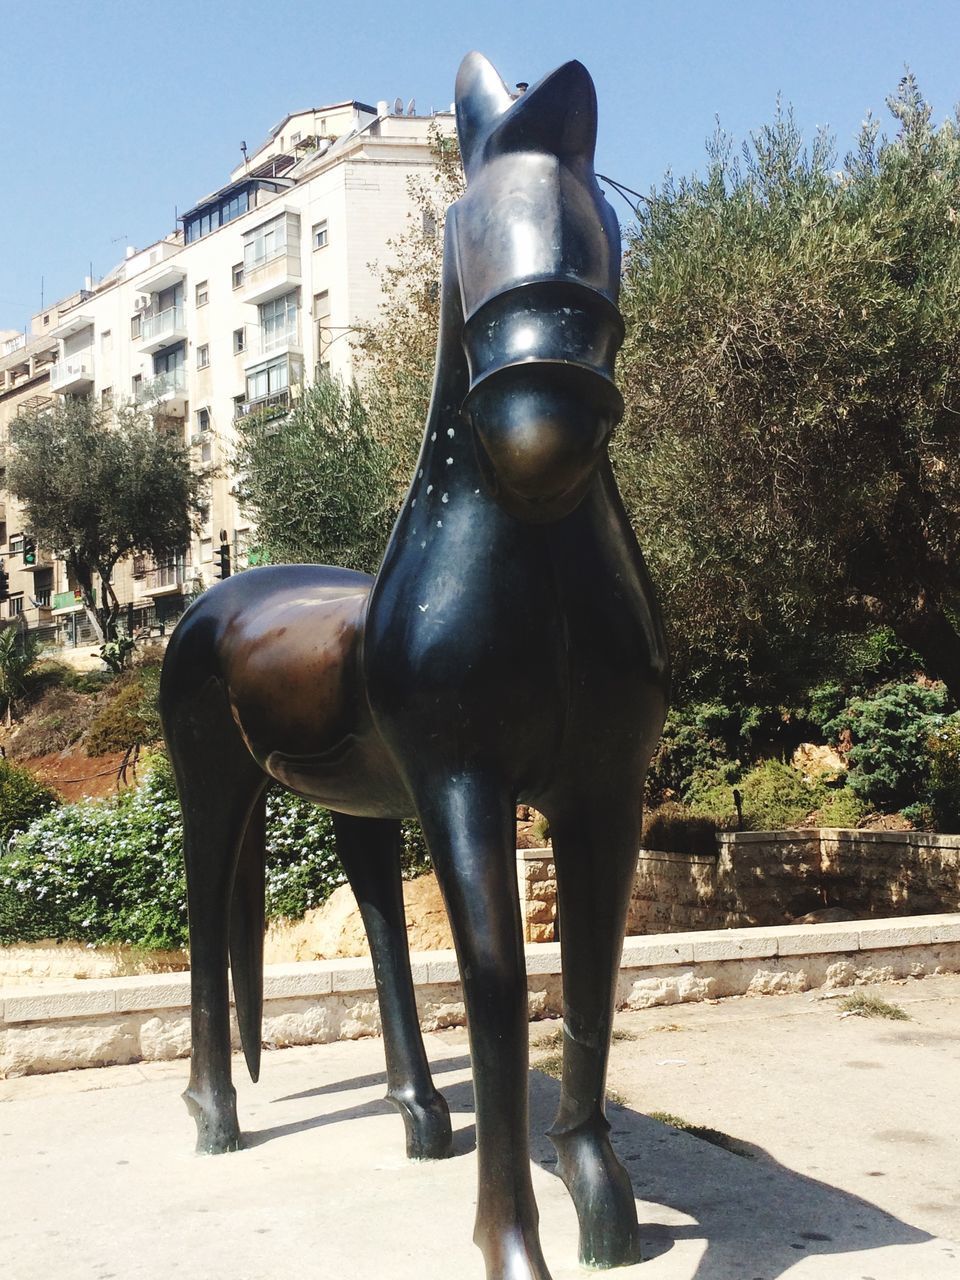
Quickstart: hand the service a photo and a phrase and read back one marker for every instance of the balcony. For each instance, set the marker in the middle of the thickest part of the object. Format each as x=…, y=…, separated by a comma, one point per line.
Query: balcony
x=163, y=328
x=163, y=580
x=272, y=276
x=72, y=374
x=168, y=390
x=275, y=405
x=272, y=342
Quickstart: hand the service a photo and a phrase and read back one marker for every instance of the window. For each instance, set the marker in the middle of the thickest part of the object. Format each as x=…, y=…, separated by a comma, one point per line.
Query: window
x=237, y=275
x=239, y=340
x=320, y=234
x=201, y=296
x=206, y=449
x=321, y=317
x=106, y=397
x=203, y=419
x=203, y=356
x=265, y=243
x=268, y=381
x=136, y=325
x=279, y=321
x=14, y=606
x=46, y=320
x=16, y=544
x=294, y=138
x=136, y=385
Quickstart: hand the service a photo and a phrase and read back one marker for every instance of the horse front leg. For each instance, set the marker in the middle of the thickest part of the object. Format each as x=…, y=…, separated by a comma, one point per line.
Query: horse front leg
x=469, y=826
x=369, y=849
x=595, y=845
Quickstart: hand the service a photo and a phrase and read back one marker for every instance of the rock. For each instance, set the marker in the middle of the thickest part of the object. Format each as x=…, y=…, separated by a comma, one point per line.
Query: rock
x=825, y=915
x=336, y=929
x=818, y=764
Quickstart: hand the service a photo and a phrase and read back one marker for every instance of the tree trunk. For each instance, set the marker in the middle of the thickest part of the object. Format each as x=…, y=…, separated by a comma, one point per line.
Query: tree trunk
x=928, y=631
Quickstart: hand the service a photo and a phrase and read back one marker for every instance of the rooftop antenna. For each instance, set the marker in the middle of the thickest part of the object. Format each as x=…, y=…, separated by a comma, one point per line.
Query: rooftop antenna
x=41, y=293
x=412, y=107
x=243, y=148
x=398, y=107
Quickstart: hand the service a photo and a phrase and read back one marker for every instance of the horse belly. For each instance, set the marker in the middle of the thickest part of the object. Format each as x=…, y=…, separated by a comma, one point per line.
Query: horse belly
x=297, y=698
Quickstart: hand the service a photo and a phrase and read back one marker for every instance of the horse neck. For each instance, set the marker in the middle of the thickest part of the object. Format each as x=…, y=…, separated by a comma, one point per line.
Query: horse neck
x=446, y=479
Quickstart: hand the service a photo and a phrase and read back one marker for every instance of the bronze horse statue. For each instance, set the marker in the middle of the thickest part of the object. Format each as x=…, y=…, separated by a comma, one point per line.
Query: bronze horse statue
x=509, y=650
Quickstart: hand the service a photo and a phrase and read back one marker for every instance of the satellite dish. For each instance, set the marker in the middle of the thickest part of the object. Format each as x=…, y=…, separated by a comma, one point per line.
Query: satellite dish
x=412, y=107
x=398, y=107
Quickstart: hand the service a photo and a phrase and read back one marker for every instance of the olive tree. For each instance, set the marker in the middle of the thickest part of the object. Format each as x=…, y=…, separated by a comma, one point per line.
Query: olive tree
x=97, y=486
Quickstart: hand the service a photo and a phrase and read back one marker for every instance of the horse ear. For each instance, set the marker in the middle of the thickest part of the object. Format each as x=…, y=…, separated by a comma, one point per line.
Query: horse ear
x=557, y=115
x=481, y=98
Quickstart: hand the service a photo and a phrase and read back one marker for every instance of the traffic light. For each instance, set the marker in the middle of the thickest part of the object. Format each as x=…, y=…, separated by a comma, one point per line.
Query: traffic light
x=223, y=556
x=4, y=582
x=29, y=552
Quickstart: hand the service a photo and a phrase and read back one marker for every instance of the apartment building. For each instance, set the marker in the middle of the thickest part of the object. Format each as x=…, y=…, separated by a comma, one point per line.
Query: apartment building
x=263, y=283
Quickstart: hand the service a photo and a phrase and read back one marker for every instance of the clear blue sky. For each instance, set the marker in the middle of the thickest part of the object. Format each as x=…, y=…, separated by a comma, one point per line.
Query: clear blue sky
x=114, y=114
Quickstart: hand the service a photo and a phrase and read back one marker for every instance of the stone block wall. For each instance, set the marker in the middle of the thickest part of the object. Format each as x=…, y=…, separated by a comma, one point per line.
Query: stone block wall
x=768, y=878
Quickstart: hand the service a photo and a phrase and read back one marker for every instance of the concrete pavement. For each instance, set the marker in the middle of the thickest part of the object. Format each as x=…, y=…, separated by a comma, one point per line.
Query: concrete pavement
x=847, y=1136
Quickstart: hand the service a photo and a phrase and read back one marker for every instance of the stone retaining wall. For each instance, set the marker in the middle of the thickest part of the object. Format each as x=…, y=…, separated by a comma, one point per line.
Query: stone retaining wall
x=106, y=1021
x=769, y=877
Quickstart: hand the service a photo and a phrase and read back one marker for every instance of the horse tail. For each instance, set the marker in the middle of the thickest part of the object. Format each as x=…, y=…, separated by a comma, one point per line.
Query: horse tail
x=247, y=925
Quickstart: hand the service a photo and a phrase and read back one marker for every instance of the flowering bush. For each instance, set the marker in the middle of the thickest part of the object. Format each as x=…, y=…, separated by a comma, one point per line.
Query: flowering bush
x=112, y=871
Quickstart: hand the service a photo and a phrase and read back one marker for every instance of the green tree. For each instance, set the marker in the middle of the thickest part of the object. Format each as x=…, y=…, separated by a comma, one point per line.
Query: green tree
x=791, y=450
x=98, y=486
x=397, y=349
x=319, y=483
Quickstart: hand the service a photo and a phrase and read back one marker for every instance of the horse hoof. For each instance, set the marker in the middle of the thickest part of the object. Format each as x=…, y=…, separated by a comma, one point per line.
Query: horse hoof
x=429, y=1135
x=602, y=1193
x=218, y=1130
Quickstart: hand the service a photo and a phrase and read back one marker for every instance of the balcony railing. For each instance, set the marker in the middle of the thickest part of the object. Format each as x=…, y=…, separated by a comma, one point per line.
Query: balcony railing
x=43, y=597
x=72, y=371
x=66, y=600
x=272, y=406
x=279, y=339
x=164, y=386
x=166, y=325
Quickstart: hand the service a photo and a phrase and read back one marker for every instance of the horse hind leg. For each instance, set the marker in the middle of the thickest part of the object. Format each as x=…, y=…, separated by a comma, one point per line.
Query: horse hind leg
x=369, y=849
x=595, y=853
x=219, y=785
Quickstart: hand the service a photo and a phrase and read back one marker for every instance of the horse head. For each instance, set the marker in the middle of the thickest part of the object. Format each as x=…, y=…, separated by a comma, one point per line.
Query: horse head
x=537, y=253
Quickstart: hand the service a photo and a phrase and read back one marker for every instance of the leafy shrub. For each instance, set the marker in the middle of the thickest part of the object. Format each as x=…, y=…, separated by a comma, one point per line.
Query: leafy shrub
x=127, y=720
x=774, y=796
x=676, y=829
x=889, y=760
x=22, y=799
x=944, y=788
x=112, y=871
x=840, y=808
x=693, y=744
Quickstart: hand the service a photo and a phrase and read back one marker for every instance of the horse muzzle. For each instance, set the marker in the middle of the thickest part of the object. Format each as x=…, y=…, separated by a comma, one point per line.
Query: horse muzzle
x=542, y=400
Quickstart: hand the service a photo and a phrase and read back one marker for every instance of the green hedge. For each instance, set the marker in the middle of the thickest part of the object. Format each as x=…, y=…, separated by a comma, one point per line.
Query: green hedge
x=22, y=799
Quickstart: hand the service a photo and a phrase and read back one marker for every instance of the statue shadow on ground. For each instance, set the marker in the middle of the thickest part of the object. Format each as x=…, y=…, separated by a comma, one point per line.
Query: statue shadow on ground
x=758, y=1217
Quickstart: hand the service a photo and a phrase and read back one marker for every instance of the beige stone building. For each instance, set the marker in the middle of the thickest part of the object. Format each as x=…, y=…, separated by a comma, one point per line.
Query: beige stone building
x=262, y=284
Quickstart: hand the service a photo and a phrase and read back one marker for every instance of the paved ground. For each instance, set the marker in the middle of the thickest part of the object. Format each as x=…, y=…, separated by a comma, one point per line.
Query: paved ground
x=848, y=1134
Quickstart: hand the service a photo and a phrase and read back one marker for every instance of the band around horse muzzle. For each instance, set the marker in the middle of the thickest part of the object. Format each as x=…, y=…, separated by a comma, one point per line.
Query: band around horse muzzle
x=547, y=322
